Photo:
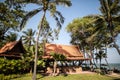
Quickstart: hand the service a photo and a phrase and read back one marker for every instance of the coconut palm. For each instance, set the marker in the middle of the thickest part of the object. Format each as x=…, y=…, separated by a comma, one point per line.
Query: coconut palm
x=10, y=18
x=46, y=34
x=110, y=9
x=57, y=57
x=28, y=37
x=81, y=32
x=100, y=55
x=89, y=35
x=110, y=16
x=10, y=37
x=45, y=5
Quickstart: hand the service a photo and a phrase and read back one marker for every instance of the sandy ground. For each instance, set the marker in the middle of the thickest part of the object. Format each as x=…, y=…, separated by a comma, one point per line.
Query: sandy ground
x=114, y=75
x=83, y=72
x=88, y=72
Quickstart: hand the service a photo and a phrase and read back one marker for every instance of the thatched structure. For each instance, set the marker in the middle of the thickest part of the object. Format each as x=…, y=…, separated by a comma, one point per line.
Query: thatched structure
x=12, y=50
x=71, y=52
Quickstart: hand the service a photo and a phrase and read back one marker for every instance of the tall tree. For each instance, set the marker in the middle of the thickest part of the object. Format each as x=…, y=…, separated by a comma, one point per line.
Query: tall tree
x=108, y=22
x=11, y=37
x=110, y=10
x=110, y=16
x=28, y=37
x=57, y=57
x=90, y=36
x=83, y=34
x=45, y=5
x=10, y=18
x=100, y=55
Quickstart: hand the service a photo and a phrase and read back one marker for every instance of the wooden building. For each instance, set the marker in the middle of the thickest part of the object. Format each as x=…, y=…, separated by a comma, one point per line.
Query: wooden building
x=72, y=53
x=12, y=50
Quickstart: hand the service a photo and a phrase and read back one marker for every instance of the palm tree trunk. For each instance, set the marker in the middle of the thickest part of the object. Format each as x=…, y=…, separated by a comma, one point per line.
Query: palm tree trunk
x=94, y=59
x=116, y=46
x=100, y=63
x=84, y=56
x=36, y=47
x=91, y=55
x=54, y=67
x=112, y=35
x=107, y=63
x=106, y=56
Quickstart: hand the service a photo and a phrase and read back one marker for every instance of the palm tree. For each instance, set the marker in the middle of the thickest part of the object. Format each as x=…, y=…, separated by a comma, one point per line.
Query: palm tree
x=100, y=55
x=10, y=17
x=57, y=57
x=46, y=34
x=45, y=5
x=28, y=37
x=11, y=37
x=108, y=23
x=110, y=17
x=83, y=34
x=110, y=10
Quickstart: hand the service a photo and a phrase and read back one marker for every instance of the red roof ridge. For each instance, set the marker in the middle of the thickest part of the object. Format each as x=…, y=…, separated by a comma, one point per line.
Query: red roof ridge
x=63, y=44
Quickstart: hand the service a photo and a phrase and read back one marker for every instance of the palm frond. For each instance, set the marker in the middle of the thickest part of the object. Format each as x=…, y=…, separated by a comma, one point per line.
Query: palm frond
x=64, y=2
x=61, y=17
x=92, y=37
x=24, y=1
x=116, y=18
x=103, y=7
x=57, y=21
x=114, y=5
x=28, y=16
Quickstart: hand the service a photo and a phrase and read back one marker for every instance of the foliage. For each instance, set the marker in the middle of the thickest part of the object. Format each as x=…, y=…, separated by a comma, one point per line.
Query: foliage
x=28, y=37
x=110, y=10
x=10, y=15
x=100, y=55
x=10, y=18
x=46, y=34
x=57, y=56
x=10, y=37
x=41, y=63
x=30, y=53
x=110, y=16
x=84, y=34
x=13, y=66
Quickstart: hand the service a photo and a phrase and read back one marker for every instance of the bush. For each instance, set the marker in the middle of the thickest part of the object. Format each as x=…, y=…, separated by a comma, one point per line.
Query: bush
x=1, y=76
x=13, y=66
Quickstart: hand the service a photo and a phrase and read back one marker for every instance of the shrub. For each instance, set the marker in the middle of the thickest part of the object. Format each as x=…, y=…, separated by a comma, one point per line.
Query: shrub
x=1, y=76
x=13, y=66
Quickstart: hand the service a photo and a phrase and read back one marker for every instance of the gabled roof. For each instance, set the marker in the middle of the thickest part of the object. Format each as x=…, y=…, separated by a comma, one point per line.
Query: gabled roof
x=12, y=49
x=8, y=46
x=71, y=52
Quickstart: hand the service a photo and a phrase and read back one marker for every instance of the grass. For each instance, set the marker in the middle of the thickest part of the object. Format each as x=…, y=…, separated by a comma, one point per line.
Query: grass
x=70, y=77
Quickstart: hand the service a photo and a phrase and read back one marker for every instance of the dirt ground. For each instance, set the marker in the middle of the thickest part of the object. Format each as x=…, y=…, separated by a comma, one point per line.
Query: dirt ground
x=114, y=75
